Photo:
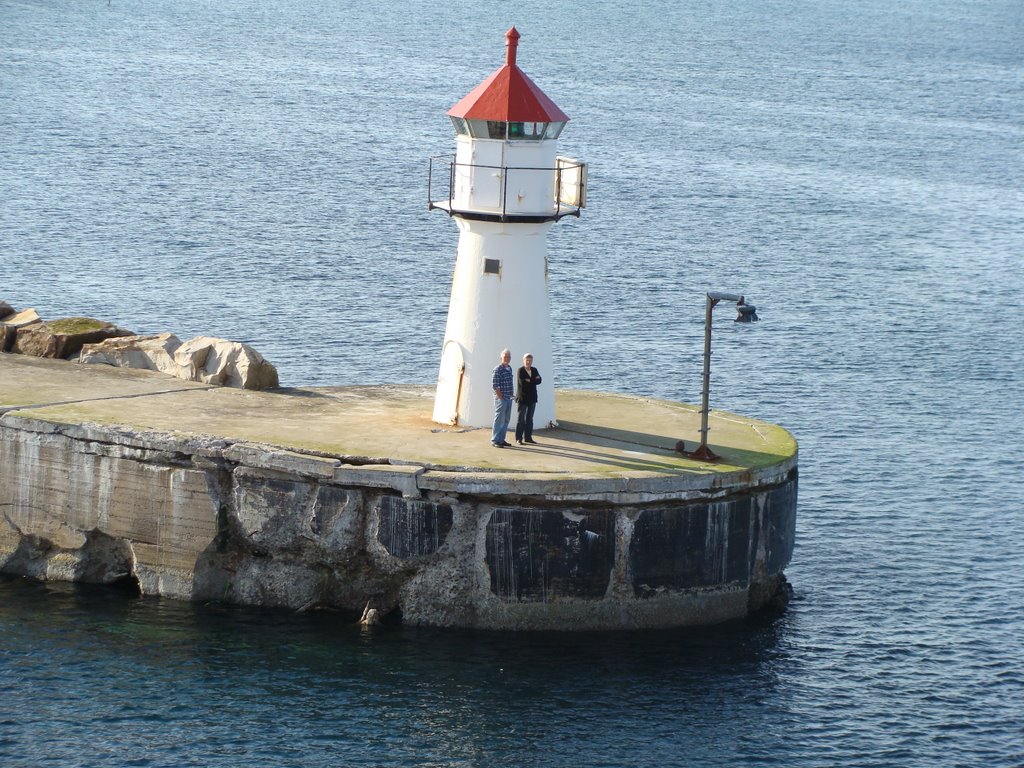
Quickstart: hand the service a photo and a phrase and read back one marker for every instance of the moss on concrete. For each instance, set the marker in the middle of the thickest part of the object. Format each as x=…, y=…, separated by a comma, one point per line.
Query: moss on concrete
x=600, y=434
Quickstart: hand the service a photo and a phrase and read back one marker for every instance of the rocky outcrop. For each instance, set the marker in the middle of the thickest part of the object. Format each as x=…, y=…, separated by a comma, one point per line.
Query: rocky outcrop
x=63, y=338
x=155, y=352
x=12, y=323
x=204, y=359
x=229, y=363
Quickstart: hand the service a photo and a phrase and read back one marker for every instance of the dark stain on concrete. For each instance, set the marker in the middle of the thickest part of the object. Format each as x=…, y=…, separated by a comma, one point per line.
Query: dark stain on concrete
x=412, y=528
x=698, y=545
x=538, y=556
x=780, y=518
x=711, y=544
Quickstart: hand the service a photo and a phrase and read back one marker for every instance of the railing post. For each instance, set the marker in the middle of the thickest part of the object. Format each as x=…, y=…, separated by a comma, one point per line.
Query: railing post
x=558, y=189
x=451, y=187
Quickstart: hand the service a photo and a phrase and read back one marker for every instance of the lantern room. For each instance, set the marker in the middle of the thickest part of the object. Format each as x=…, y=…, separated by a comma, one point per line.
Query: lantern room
x=507, y=131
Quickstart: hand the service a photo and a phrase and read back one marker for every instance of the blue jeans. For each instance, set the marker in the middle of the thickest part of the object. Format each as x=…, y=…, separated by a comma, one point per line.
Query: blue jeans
x=524, y=424
x=502, y=415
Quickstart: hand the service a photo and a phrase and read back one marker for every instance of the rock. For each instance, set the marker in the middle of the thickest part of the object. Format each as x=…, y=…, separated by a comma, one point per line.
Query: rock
x=227, y=363
x=204, y=359
x=155, y=352
x=10, y=325
x=370, y=617
x=6, y=310
x=63, y=338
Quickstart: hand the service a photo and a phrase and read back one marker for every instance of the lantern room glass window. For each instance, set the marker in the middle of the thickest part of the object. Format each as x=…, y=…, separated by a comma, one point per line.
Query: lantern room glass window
x=498, y=129
x=554, y=129
x=477, y=129
x=527, y=131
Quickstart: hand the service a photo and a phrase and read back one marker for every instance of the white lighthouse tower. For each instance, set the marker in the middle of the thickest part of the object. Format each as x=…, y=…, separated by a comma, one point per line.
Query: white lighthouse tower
x=505, y=188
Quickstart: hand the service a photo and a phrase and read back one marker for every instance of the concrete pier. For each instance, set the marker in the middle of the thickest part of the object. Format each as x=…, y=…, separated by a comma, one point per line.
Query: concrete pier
x=351, y=497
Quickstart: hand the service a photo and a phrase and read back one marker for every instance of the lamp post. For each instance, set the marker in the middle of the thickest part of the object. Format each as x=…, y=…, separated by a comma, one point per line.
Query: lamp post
x=745, y=313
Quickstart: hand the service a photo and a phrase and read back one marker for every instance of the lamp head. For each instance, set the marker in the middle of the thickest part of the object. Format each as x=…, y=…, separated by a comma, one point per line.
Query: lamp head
x=745, y=313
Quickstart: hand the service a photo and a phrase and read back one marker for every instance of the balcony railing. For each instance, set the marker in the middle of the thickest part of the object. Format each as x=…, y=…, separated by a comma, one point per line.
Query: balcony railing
x=568, y=192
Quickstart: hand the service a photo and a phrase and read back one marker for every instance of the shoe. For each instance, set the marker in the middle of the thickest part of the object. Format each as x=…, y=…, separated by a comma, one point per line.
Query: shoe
x=506, y=445
x=518, y=441
x=498, y=445
x=530, y=441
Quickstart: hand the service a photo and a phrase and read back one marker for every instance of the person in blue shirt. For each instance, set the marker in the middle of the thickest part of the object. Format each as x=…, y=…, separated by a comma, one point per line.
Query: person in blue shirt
x=501, y=383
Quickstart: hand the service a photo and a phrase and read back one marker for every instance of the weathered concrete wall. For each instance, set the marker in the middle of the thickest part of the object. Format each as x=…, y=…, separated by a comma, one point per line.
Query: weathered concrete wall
x=244, y=523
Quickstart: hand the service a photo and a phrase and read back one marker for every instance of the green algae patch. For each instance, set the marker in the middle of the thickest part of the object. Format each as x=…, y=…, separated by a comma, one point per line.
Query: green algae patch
x=70, y=326
x=12, y=396
x=601, y=435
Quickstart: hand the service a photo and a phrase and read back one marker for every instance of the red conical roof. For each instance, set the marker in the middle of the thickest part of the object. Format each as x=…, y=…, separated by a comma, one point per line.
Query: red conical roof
x=508, y=95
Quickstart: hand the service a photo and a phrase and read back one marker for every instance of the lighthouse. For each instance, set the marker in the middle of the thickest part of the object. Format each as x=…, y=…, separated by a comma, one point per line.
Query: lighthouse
x=505, y=188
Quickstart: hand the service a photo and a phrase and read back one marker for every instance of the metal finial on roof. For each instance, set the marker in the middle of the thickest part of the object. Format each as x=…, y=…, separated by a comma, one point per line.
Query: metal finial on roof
x=508, y=95
x=511, y=42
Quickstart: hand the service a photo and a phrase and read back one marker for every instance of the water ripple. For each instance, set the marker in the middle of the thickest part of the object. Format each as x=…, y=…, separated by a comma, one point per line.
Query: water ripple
x=258, y=173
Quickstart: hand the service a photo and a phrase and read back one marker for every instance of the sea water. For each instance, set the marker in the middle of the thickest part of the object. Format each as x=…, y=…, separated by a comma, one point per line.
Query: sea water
x=257, y=171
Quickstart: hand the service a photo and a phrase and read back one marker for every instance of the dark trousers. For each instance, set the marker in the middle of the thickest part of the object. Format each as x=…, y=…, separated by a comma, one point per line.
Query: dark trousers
x=524, y=424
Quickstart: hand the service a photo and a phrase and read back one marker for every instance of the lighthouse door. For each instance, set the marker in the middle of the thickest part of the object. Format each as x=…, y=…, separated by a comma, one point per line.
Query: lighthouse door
x=487, y=174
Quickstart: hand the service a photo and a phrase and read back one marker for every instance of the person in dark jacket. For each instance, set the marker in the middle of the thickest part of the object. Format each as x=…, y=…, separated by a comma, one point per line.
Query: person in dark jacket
x=527, y=379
